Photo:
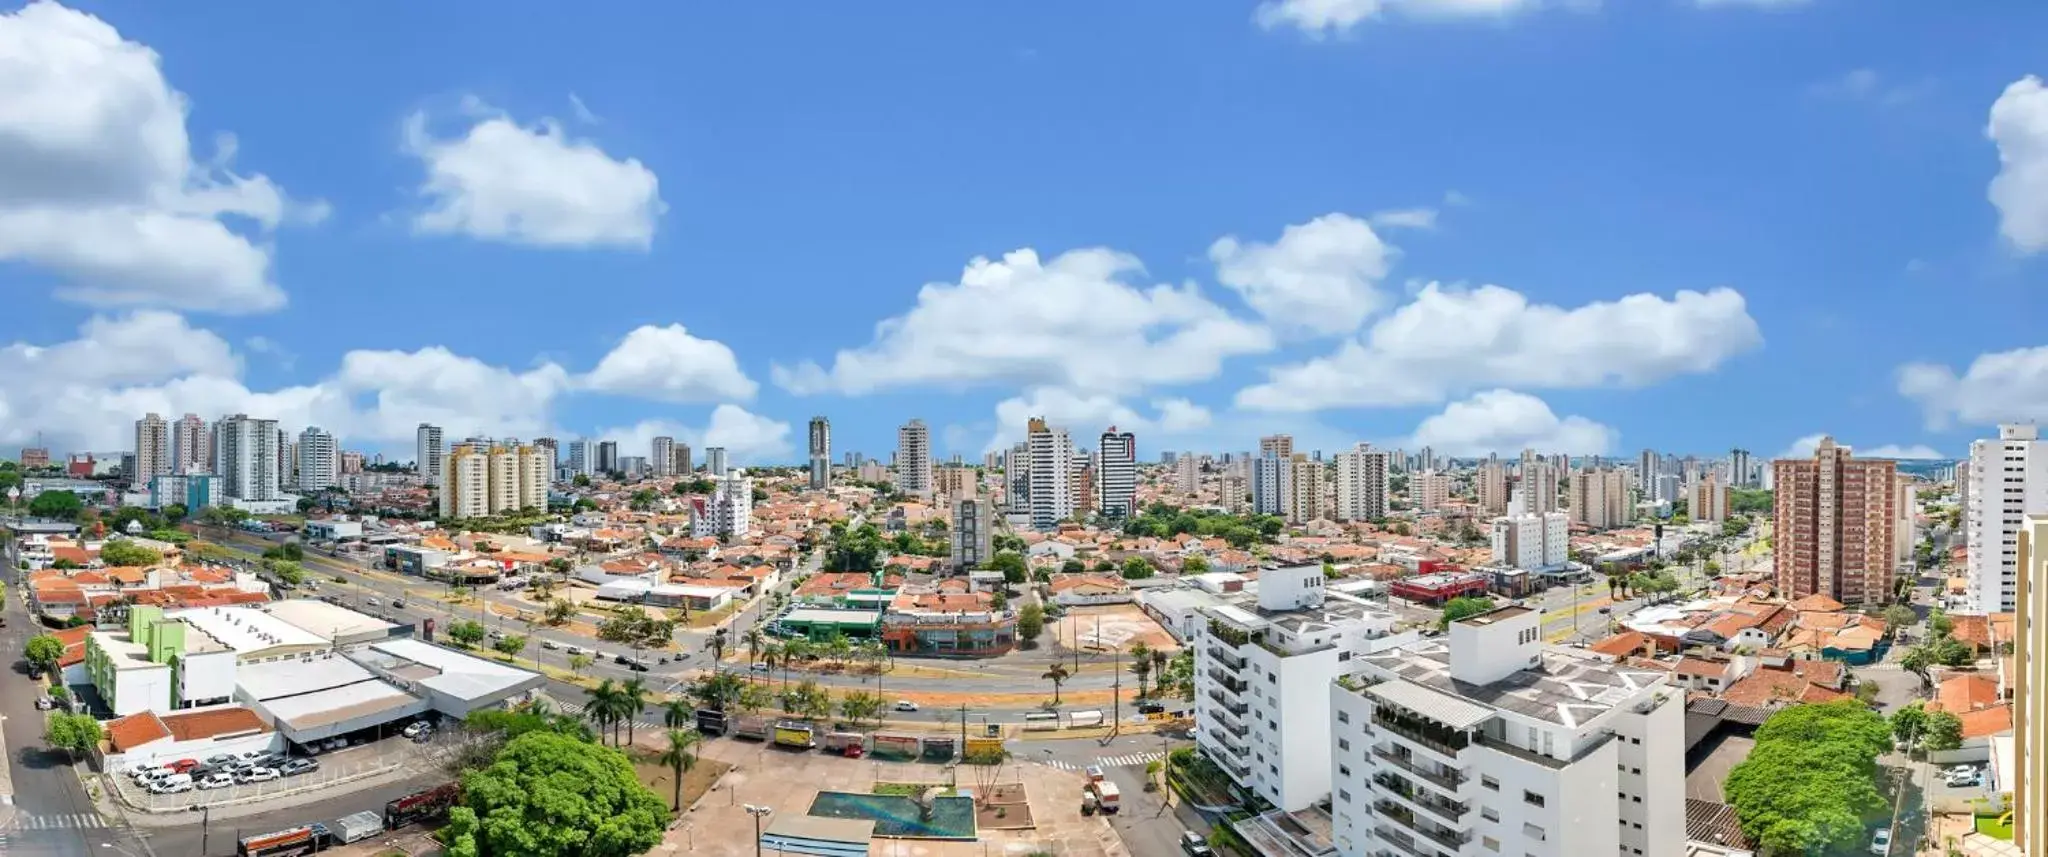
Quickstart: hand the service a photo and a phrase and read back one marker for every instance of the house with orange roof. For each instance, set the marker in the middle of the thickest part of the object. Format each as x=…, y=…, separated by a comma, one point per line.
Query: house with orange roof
x=930, y=622
x=1794, y=681
x=1074, y=590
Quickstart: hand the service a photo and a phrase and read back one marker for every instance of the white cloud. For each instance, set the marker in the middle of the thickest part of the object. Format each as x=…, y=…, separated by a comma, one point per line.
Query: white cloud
x=669, y=364
x=2005, y=386
x=1320, y=18
x=749, y=438
x=98, y=183
x=1086, y=415
x=533, y=185
x=1757, y=4
x=1804, y=447
x=1405, y=218
x=1075, y=321
x=1321, y=276
x=1869, y=86
x=2019, y=126
x=1508, y=422
x=1451, y=340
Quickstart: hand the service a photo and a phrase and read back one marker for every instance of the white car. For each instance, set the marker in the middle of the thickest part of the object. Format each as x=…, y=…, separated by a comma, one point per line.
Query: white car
x=216, y=781
x=1881, y=842
x=171, y=785
x=413, y=729
x=549, y=644
x=905, y=705
x=258, y=775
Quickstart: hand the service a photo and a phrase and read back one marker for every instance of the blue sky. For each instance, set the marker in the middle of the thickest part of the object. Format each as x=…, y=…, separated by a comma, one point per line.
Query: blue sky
x=1481, y=224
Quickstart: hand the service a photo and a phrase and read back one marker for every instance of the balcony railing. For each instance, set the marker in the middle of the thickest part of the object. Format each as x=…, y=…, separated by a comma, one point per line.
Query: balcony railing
x=1235, y=728
x=1229, y=635
x=1443, y=809
x=1230, y=682
x=1402, y=841
x=1404, y=817
x=1226, y=657
x=1237, y=767
x=1448, y=780
x=1435, y=736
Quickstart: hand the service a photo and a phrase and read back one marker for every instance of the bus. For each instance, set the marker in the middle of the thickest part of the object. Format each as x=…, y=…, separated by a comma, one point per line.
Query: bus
x=426, y=803
x=1041, y=721
x=286, y=843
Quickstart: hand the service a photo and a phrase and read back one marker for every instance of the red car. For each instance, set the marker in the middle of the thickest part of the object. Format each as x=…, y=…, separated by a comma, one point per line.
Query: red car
x=183, y=766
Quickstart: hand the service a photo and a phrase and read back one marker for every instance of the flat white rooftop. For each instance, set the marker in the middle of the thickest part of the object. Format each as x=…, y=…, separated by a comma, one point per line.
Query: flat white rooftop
x=445, y=670
x=247, y=629
x=300, y=676
x=325, y=620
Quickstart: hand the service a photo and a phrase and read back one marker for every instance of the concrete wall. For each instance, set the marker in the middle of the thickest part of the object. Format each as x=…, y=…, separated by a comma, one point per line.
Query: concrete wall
x=206, y=676
x=140, y=689
x=167, y=750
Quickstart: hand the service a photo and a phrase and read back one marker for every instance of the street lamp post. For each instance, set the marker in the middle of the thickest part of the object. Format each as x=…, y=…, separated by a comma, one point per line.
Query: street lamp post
x=758, y=812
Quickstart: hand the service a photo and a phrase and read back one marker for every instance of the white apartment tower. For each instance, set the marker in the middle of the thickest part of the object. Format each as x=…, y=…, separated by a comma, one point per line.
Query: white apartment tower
x=1532, y=542
x=1052, y=478
x=715, y=463
x=1271, y=478
x=319, y=460
x=250, y=463
x=1187, y=474
x=1429, y=489
x=191, y=445
x=2007, y=481
x=429, y=453
x=1707, y=501
x=661, y=456
x=821, y=454
x=728, y=511
x=1490, y=487
x=914, y=459
x=152, y=449
x=1263, y=667
x=1279, y=446
x=1599, y=498
x=1363, y=483
x=1116, y=476
x=582, y=458
x=1488, y=743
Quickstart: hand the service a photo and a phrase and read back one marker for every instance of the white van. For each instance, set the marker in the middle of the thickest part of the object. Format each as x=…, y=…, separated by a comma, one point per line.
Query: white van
x=574, y=650
x=172, y=784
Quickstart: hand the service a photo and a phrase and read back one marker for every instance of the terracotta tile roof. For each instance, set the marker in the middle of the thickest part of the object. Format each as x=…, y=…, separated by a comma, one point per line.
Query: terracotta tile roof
x=1816, y=602
x=1972, y=629
x=1699, y=667
x=1769, y=685
x=1986, y=722
x=1965, y=693
x=195, y=725
x=1064, y=582
x=135, y=730
x=1620, y=645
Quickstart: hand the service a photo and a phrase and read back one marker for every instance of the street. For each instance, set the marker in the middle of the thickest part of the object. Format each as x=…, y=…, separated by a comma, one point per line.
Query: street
x=1144, y=824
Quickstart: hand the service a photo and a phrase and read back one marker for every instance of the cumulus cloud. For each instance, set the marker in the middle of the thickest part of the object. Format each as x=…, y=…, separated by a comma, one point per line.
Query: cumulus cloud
x=1804, y=447
x=1076, y=321
x=98, y=183
x=1508, y=422
x=669, y=364
x=2019, y=127
x=748, y=438
x=2004, y=386
x=1084, y=415
x=1448, y=340
x=1321, y=277
x=1320, y=18
x=531, y=184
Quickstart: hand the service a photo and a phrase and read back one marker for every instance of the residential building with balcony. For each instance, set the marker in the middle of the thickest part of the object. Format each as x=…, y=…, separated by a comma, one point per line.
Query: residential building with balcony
x=1264, y=663
x=1489, y=742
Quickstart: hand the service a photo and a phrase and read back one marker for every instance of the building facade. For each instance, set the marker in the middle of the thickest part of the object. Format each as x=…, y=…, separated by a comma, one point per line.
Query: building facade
x=481, y=480
x=1834, y=517
x=728, y=511
x=429, y=453
x=1307, y=489
x=319, y=461
x=1430, y=490
x=1052, y=474
x=2030, y=693
x=1532, y=542
x=914, y=459
x=152, y=449
x=1490, y=487
x=1116, y=476
x=191, y=445
x=715, y=464
x=974, y=532
x=1539, y=487
x=2007, y=481
x=250, y=458
x=1271, y=476
x=661, y=456
x=1707, y=501
x=1364, y=482
x=1599, y=498
x=821, y=454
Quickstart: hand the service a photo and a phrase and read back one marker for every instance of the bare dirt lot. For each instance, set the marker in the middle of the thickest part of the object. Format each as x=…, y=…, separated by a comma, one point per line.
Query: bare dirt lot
x=1109, y=626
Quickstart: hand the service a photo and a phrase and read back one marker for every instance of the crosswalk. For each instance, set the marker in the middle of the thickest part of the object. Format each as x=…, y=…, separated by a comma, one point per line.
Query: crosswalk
x=575, y=709
x=60, y=821
x=1128, y=760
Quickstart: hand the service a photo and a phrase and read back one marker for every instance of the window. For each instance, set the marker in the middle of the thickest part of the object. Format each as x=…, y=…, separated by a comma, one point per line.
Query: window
x=1486, y=812
x=1344, y=770
x=1343, y=743
x=1491, y=843
x=1533, y=832
x=1343, y=717
x=1532, y=798
x=1489, y=782
x=1343, y=795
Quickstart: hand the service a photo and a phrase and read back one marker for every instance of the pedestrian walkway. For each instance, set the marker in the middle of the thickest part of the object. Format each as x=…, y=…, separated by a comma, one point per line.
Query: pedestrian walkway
x=575, y=709
x=60, y=821
x=1129, y=760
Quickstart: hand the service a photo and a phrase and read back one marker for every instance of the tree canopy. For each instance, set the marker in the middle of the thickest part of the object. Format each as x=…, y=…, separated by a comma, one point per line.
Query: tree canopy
x=44, y=650
x=1811, y=778
x=1163, y=521
x=1137, y=568
x=1011, y=564
x=854, y=548
x=1030, y=623
x=549, y=794
x=73, y=733
x=59, y=504
x=1463, y=606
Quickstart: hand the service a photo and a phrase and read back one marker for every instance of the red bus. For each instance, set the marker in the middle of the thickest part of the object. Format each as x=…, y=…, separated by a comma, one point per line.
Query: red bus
x=286, y=843
x=426, y=803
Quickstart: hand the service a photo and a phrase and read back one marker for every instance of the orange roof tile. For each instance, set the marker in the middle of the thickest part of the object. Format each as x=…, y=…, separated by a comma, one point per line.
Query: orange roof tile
x=1986, y=722
x=1965, y=693
x=1620, y=645
x=135, y=730
x=196, y=725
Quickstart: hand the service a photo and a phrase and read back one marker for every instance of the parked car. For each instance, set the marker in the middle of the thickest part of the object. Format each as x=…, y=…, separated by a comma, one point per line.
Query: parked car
x=183, y=765
x=549, y=644
x=371, y=600
x=905, y=705
x=414, y=728
x=758, y=667
x=257, y=775
x=1151, y=707
x=398, y=604
x=1194, y=845
x=296, y=767
x=334, y=743
x=636, y=666
x=171, y=785
x=1881, y=842
x=218, y=758
x=44, y=703
x=216, y=781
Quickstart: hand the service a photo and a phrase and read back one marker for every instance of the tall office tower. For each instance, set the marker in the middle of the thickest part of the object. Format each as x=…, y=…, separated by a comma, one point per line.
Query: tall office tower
x=1429, y=490
x=729, y=510
x=1116, y=478
x=2030, y=695
x=428, y=453
x=582, y=458
x=821, y=454
x=1834, y=518
x=1539, y=487
x=974, y=532
x=1647, y=468
x=1188, y=474
x=2007, y=481
x=1306, y=489
x=1279, y=446
x=249, y=457
x=1486, y=741
x=1707, y=500
x=661, y=456
x=1363, y=483
x=1739, y=469
x=1490, y=488
x=152, y=449
x=607, y=456
x=683, y=465
x=319, y=461
x=191, y=444
x=1052, y=474
x=1017, y=471
x=914, y=459
x=1599, y=498
x=715, y=464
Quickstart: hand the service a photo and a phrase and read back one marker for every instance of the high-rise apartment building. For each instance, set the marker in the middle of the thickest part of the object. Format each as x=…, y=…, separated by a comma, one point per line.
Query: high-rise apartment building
x=1648, y=465
x=608, y=456
x=1271, y=478
x=1017, y=473
x=1741, y=469
x=1052, y=474
x=428, y=453
x=661, y=456
x=1364, y=482
x=1835, y=515
x=191, y=445
x=2029, y=780
x=1599, y=498
x=249, y=457
x=715, y=463
x=2007, y=481
x=1539, y=487
x=1429, y=489
x=483, y=478
x=1532, y=542
x=1187, y=474
x=1307, y=489
x=821, y=454
x=319, y=459
x=152, y=449
x=683, y=465
x=728, y=511
x=974, y=531
x=1707, y=500
x=1116, y=477
x=1487, y=742
x=1279, y=446
x=582, y=458
x=1490, y=487
x=914, y=459
x=1232, y=494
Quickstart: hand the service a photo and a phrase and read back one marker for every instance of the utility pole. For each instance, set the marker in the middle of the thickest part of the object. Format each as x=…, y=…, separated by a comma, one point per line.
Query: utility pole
x=963, y=730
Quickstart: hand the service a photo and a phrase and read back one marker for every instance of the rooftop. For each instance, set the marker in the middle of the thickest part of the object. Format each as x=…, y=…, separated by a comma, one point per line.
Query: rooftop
x=122, y=652
x=327, y=621
x=1243, y=610
x=247, y=629
x=1566, y=687
x=445, y=670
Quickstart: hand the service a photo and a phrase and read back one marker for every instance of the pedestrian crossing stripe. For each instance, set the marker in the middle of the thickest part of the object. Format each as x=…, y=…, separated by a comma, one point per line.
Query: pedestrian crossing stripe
x=61, y=821
x=1127, y=760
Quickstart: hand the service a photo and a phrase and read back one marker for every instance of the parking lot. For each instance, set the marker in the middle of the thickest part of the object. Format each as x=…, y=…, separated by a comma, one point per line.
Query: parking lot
x=332, y=769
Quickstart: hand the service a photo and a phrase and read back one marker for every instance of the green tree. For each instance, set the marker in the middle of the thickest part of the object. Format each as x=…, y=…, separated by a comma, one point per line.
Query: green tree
x=1463, y=606
x=549, y=794
x=633, y=694
x=44, y=650
x=1812, y=778
x=122, y=552
x=680, y=755
x=1897, y=617
x=1011, y=564
x=1030, y=623
x=854, y=548
x=175, y=512
x=1194, y=565
x=558, y=612
x=62, y=505
x=860, y=705
x=1058, y=676
x=678, y=714
x=510, y=645
x=582, y=480
x=1938, y=624
x=1909, y=722
x=1141, y=665
x=290, y=572
x=1137, y=568
x=1073, y=566
x=579, y=663
x=75, y=734
x=468, y=632
x=1943, y=731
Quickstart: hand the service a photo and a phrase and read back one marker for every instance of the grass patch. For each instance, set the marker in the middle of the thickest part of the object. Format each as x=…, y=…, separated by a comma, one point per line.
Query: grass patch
x=1990, y=826
x=696, y=781
x=911, y=789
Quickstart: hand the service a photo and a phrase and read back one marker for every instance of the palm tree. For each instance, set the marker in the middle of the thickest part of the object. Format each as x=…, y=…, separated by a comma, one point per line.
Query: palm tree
x=677, y=713
x=632, y=698
x=837, y=647
x=1057, y=675
x=680, y=757
x=755, y=643
x=603, y=702
x=1141, y=665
